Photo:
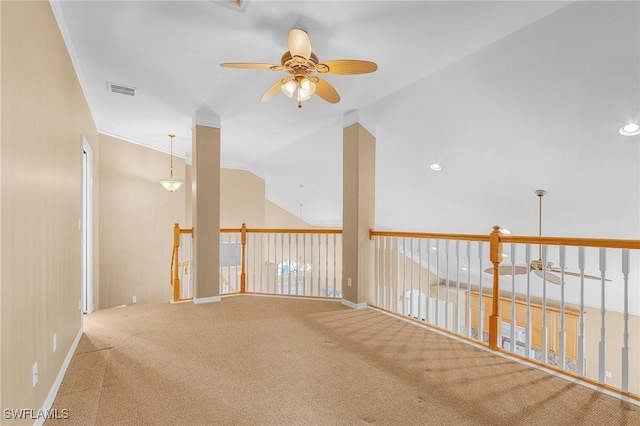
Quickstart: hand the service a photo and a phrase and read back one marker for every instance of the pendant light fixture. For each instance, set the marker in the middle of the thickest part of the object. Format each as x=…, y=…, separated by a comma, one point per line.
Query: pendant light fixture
x=171, y=185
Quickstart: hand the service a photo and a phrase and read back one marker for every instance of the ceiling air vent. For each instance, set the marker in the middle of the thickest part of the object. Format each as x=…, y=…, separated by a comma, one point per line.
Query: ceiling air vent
x=119, y=88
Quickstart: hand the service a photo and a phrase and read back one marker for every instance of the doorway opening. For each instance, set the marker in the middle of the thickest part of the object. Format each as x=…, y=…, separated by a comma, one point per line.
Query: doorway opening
x=87, y=227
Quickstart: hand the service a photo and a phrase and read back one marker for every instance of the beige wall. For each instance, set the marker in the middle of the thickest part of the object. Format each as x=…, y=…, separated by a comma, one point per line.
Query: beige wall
x=277, y=217
x=136, y=222
x=241, y=199
x=1, y=257
x=135, y=246
x=188, y=197
x=44, y=115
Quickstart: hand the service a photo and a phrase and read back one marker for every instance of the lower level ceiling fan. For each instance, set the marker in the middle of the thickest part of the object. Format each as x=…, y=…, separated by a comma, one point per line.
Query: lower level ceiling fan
x=537, y=266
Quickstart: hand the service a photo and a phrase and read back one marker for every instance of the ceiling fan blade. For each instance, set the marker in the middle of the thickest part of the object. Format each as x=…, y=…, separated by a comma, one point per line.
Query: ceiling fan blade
x=346, y=67
x=577, y=274
x=327, y=92
x=271, y=92
x=299, y=43
x=549, y=276
x=508, y=270
x=249, y=65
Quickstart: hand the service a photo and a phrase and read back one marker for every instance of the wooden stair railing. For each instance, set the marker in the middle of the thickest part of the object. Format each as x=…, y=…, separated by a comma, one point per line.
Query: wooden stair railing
x=175, y=261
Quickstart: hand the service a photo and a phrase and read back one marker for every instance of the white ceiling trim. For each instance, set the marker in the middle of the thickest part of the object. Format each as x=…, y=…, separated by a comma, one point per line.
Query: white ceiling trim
x=146, y=145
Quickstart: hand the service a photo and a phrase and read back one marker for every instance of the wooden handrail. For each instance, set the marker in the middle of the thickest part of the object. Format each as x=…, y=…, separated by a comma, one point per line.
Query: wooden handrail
x=520, y=239
x=566, y=241
x=283, y=231
x=430, y=235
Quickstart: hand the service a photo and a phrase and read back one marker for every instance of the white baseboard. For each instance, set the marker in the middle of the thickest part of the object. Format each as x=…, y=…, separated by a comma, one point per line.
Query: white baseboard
x=202, y=300
x=352, y=305
x=48, y=402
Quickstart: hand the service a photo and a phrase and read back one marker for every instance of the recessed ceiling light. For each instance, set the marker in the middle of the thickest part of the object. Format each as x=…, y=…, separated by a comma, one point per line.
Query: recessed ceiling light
x=435, y=166
x=433, y=248
x=505, y=231
x=464, y=268
x=505, y=255
x=630, y=129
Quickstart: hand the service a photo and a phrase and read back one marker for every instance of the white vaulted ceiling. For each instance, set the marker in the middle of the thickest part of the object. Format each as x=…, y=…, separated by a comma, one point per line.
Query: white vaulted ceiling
x=508, y=96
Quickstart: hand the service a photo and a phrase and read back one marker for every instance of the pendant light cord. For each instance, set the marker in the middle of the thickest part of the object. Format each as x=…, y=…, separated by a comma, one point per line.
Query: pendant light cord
x=171, y=157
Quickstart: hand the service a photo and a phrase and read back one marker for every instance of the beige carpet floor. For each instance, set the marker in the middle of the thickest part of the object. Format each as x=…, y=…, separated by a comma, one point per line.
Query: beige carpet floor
x=251, y=360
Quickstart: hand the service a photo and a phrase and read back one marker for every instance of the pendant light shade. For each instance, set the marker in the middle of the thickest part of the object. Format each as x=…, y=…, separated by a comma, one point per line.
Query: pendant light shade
x=171, y=185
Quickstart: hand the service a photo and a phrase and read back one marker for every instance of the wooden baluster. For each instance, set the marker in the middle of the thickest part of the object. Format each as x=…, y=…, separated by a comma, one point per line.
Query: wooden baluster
x=427, y=307
x=527, y=337
x=625, y=336
x=514, y=323
x=436, y=319
x=404, y=276
x=468, y=316
x=447, y=285
x=602, y=345
x=481, y=322
x=581, y=337
x=457, y=311
x=562, y=335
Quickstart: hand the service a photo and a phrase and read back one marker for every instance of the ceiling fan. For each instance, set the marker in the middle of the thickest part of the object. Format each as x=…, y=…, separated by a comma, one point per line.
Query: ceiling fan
x=300, y=63
x=537, y=266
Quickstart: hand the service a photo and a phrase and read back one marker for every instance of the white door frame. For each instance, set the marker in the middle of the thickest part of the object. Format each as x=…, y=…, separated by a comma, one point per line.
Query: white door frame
x=87, y=227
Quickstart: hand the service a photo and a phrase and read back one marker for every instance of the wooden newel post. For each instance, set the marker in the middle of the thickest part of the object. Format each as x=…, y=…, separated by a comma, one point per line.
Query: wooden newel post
x=175, y=280
x=495, y=248
x=243, y=273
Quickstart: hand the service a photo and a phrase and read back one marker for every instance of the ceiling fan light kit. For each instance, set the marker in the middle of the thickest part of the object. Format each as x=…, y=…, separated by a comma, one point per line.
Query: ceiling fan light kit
x=300, y=62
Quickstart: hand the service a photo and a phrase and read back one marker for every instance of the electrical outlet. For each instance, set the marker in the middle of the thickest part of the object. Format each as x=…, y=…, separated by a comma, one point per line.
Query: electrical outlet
x=608, y=374
x=55, y=342
x=349, y=282
x=34, y=374
x=134, y=300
